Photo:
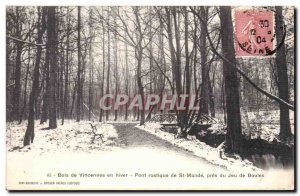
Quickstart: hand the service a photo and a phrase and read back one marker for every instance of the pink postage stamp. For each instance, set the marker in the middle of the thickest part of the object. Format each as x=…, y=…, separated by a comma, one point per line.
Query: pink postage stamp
x=254, y=32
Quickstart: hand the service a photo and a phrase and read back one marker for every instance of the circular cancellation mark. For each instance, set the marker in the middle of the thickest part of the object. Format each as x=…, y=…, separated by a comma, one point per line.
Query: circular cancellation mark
x=255, y=32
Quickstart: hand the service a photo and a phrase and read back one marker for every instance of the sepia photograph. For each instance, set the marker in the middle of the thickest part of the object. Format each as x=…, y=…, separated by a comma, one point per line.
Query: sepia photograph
x=150, y=98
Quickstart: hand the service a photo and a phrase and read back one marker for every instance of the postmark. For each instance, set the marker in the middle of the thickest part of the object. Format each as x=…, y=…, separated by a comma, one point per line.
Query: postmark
x=255, y=32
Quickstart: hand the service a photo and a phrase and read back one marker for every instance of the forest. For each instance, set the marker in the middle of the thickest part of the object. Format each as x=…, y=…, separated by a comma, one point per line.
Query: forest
x=61, y=60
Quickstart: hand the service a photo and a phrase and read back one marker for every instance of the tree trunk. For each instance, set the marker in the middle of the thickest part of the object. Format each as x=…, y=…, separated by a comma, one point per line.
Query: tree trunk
x=65, y=108
x=139, y=56
x=195, y=39
x=25, y=85
x=116, y=74
x=73, y=98
x=151, y=75
x=204, y=65
x=52, y=42
x=162, y=59
x=17, y=77
x=126, y=78
x=140, y=87
x=234, y=130
x=108, y=71
x=17, y=89
x=79, y=85
x=103, y=68
x=45, y=107
x=91, y=63
x=211, y=98
x=175, y=55
x=285, y=128
x=187, y=65
x=29, y=134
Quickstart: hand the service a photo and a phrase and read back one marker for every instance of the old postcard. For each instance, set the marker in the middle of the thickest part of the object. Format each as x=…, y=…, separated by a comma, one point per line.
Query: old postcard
x=150, y=98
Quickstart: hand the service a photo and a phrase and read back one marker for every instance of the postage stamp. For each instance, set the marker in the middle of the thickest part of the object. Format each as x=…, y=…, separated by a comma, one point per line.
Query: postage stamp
x=254, y=32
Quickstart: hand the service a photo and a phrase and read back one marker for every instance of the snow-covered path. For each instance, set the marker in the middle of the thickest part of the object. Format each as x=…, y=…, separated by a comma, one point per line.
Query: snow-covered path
x=135, y=159
x=133, y=137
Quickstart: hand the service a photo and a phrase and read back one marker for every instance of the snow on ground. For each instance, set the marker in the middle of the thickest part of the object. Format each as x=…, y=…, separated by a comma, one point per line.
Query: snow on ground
x=70, y=137
x=263, y=124
x=64, y=149
x=122, y=122
x=50, y=154
x=202, y=150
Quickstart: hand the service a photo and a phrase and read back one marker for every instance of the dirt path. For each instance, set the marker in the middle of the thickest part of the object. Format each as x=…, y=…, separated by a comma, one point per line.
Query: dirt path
x=132, y=137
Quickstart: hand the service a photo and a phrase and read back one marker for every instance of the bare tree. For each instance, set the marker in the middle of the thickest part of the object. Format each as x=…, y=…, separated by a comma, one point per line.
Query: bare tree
x=91, y=63
x=285, y=128
x=52, y=42
x=79, y=69
x=65, y=108
x=29, y=134
x=234, y=129
x=204, y=66
x=108, y=68
x=17, y=87
x=103, y=66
